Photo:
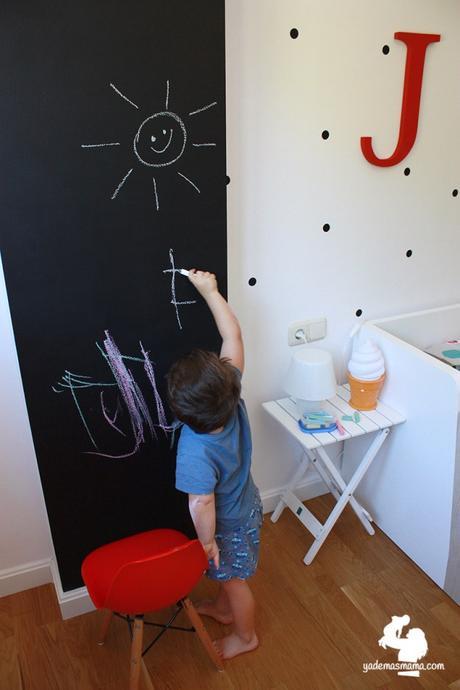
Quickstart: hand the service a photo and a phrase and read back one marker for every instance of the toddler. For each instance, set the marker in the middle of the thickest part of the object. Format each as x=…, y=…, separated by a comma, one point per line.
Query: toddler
x=214, y=468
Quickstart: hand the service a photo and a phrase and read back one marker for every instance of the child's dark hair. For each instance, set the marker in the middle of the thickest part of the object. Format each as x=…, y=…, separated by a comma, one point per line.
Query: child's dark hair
x=203, y=390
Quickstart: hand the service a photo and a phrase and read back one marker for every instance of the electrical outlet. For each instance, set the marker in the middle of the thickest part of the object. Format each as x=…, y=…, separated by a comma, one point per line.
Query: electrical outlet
x=301, y=332
x=297, y=333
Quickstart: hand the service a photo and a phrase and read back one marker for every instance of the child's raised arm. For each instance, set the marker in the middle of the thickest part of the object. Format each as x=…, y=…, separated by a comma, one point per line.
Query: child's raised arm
x=226, y=321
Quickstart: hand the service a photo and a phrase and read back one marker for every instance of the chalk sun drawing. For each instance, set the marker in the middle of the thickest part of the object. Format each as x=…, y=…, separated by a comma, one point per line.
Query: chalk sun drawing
x=160, y=141
x=173, y=271
x=130, y=406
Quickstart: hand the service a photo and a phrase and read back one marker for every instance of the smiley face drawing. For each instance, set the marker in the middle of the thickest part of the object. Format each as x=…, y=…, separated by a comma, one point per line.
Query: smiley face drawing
x=159, y=142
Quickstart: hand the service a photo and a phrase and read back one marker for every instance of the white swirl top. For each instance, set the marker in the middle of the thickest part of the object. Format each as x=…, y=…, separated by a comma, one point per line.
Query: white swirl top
x=366, y=362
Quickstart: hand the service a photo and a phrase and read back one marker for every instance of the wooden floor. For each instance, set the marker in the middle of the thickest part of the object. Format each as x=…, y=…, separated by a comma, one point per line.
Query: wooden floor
x=318, y=624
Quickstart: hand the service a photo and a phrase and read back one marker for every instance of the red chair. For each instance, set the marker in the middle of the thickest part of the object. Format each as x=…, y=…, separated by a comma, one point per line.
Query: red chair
x=142, y=573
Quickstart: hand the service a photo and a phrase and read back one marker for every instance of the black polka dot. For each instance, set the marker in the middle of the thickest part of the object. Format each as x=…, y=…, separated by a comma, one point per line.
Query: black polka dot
x=252, y=281
x=325, y=134
x=409, y=253
x=294, y=33
x=455, y=192
x=386, y=50
x=359, y=312
x=326, y=227
x=406, y=171
x=227, y=179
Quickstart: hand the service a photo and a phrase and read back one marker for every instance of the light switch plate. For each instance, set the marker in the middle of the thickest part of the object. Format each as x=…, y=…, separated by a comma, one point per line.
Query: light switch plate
x=316, y=330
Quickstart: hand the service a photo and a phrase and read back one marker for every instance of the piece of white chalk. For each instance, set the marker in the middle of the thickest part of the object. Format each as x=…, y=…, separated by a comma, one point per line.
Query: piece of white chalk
x=183, y=271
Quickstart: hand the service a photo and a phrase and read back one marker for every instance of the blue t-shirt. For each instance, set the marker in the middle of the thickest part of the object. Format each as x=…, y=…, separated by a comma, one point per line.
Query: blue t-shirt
x=220, y=464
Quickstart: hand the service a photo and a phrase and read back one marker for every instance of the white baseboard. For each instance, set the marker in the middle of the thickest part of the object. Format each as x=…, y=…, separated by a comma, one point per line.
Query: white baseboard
x=77, y=601
x=25, y=576
x=311, y=488
x=37, y=573
x=74, y=602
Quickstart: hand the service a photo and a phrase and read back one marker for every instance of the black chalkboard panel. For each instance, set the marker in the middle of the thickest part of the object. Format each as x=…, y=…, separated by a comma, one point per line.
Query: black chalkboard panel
x=114, y=175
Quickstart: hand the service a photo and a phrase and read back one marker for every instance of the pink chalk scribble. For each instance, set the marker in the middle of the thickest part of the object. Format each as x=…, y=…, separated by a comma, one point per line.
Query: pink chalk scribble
x=106, y=415
x=158, y=401
x=129, y=397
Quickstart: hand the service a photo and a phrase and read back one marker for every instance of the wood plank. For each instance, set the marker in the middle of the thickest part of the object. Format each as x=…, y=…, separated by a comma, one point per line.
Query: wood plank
x=449, y=616
x=355, y=647
x=6, y=620
x=10, y=670
x=37, y=672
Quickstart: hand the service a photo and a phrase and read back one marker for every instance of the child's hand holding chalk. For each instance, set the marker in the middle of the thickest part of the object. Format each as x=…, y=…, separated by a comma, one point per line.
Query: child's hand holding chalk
x=204, y=282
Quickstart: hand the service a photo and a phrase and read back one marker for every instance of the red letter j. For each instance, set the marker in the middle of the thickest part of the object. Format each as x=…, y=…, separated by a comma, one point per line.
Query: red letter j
x=415, y=60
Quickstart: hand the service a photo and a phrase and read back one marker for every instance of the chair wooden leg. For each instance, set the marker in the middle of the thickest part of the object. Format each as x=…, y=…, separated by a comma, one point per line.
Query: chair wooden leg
x=136, y=653
x=202, y=633
x=105, y=626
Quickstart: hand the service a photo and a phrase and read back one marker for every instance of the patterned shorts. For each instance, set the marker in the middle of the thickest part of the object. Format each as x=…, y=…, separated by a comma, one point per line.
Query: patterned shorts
x=239, y=549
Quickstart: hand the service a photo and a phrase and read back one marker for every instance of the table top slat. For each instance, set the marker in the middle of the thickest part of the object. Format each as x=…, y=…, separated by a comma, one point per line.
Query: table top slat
x=352, y=428
x=289, y=423
x=384, y=416
x=324, y=439
x=364, y=423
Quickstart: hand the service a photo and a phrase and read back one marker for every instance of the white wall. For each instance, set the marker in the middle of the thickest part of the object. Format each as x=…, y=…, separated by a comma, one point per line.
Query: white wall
x=286, y=182
x=25, y=542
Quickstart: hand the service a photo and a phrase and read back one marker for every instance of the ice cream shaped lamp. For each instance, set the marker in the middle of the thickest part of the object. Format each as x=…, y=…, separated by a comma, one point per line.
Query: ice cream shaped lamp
x=366, y=374
x=310, y=379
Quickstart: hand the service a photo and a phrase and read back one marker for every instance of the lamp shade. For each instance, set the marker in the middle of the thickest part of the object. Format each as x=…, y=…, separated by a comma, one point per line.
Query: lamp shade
x=311, y=375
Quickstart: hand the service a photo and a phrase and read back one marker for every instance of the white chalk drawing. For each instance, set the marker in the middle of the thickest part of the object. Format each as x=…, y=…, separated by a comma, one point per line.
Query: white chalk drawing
x=157, y=202
x=122, y=183
x=159, y=142
x=156, y=134
x=123, y=96
x=200, y=110
x=167, y=94
x=173, y=271
x=98, y=146
x=190, y=182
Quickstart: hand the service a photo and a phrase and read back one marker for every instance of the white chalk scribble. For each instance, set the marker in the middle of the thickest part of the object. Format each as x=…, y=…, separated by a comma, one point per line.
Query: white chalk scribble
x=173, y=271
x=160, y=141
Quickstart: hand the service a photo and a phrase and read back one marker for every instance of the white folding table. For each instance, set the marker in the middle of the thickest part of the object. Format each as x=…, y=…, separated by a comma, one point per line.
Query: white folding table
x=314, y=447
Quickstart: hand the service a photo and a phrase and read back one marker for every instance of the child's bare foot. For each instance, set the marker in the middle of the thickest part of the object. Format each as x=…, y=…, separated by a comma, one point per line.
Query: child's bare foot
x=207, y=607
x=232, y=645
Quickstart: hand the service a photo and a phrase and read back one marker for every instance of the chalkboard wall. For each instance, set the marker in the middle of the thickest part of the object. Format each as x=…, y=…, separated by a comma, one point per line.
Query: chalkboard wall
x=113, y=160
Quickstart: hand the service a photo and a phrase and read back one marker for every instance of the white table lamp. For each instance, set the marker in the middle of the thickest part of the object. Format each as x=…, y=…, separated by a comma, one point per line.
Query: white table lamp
x=310, y=379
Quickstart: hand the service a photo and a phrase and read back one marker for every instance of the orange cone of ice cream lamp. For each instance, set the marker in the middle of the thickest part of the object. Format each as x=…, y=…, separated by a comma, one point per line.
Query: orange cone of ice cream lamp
x=366, y=374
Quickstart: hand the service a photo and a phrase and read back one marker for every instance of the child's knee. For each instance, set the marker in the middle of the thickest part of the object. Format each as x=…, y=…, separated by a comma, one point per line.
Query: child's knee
x=234, y=584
